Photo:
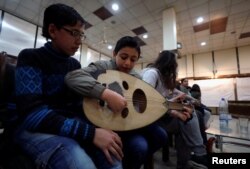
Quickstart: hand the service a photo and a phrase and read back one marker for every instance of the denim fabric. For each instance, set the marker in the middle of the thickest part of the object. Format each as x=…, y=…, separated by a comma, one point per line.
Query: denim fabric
x=57, y=152
x=100, y=159
x=139, y=144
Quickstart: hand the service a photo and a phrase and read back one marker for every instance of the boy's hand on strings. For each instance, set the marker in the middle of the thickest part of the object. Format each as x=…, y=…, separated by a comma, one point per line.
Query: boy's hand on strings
x=115, y=101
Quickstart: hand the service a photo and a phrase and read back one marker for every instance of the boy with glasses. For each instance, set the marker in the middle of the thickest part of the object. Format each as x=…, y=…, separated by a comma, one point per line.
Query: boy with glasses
x=52, y=130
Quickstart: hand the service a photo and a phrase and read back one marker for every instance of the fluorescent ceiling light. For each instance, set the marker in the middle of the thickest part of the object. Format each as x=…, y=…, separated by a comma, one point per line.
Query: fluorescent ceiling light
x=110, y=47
x=179, y=45
x=203, y=43
x=200, y=20
x=145, y=36
x=115, y=7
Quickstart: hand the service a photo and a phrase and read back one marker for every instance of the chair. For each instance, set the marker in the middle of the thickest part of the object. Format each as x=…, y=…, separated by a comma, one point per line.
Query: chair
x=11, y=157
x=7, y=88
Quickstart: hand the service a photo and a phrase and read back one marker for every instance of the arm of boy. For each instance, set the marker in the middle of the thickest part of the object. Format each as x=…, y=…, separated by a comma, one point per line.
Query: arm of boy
x=83, y=81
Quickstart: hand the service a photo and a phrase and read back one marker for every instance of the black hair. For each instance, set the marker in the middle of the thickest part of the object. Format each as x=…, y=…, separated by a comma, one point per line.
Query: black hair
x=177, y=85
x=196, y=91
x=60, y=15
x=127, y=41
x=196, y=88
x=167, y=65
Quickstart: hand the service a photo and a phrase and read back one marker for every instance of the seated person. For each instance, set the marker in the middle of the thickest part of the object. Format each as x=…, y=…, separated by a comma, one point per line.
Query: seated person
x=162, y=76
x=184, y=86
x=138, y=144
x=51, y=128
x=204, y=112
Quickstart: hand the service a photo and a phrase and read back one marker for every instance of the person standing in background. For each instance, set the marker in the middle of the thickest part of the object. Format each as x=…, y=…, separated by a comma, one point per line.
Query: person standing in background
x=52, y=130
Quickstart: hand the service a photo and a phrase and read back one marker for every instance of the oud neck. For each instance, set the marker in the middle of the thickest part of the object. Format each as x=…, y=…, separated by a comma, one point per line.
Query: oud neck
x=173, y=105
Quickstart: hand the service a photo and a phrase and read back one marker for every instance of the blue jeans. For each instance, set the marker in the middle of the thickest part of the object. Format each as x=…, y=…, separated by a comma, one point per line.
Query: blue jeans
x=140, y=144
x=57, y=152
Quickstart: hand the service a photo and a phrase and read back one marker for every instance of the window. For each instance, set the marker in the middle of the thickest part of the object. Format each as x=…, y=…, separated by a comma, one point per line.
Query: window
x=16, y=34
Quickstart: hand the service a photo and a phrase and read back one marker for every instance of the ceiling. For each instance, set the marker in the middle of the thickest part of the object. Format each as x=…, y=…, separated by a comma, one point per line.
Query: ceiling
x=226, y=22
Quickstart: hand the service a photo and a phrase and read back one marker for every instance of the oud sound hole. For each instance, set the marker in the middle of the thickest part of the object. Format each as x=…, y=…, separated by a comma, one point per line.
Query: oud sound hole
x=139, y=101
x=101, y=103
x=125, y=85
x=125, y=113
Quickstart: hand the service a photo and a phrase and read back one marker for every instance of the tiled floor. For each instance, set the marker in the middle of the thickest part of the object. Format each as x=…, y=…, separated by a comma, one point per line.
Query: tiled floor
x=159, y=164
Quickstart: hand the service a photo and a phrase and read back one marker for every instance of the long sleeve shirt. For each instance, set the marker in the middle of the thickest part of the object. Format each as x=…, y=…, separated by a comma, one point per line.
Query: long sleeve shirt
x=83, y=81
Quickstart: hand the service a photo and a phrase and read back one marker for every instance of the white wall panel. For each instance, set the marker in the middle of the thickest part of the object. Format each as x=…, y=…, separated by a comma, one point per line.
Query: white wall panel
x=214, y=89
x=182, y=67
x=225, y=61
x=243, y=89
x=203, y=65
x=244, y=59
x=190, y=69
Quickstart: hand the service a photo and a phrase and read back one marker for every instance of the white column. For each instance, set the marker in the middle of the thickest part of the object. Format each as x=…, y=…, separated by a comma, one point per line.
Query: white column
x=84, y=51
x=169, y=29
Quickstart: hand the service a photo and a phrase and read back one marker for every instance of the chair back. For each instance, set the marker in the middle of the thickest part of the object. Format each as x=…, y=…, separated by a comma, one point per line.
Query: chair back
x=7, y=89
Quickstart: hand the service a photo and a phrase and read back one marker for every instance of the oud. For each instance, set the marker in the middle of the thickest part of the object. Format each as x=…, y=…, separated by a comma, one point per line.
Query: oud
x=145, y=105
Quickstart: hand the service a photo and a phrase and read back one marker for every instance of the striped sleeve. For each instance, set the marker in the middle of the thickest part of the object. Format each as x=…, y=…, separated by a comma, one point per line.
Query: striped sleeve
x=48, y=121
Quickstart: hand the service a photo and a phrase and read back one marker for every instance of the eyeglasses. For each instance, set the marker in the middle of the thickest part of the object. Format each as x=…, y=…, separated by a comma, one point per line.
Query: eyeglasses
x=75, y=34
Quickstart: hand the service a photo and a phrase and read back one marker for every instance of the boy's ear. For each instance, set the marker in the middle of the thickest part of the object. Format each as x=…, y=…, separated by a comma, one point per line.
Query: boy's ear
x=52, y=29
x=114, y=54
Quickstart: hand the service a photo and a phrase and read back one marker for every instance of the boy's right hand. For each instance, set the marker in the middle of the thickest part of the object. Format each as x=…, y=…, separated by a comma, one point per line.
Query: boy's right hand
x=109, y=142
x=115, y=101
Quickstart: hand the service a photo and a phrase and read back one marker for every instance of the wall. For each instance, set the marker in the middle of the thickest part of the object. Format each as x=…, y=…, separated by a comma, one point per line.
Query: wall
x=222, y=73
